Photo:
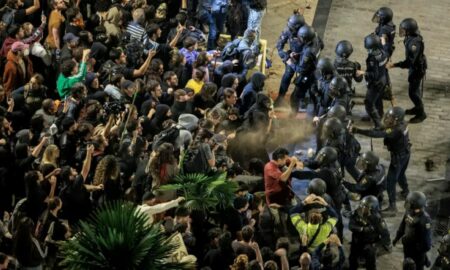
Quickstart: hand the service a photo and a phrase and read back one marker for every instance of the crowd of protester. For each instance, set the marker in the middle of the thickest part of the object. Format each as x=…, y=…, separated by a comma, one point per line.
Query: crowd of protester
x=109, y=100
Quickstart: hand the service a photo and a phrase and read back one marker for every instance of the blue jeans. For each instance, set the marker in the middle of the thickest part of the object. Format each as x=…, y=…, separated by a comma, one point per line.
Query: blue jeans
x=396, y=173
x=254, y=20
x=286, y=80
x=216, y=22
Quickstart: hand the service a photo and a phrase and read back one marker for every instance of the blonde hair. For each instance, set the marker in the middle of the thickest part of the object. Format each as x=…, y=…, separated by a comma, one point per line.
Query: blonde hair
x=50, y=155
x=240, y=263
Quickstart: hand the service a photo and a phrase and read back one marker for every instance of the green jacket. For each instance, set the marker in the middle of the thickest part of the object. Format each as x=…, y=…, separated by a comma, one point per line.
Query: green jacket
x=310, y=230
x=63, y=84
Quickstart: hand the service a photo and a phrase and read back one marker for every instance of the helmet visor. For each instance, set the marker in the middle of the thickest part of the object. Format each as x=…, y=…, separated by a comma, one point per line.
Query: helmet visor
x=402, y=32
x=360, y=164
x=376, y=18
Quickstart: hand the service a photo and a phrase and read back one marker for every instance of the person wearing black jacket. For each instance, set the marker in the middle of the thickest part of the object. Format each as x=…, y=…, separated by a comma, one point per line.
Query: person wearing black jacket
x=396, y=138
x=416, y=62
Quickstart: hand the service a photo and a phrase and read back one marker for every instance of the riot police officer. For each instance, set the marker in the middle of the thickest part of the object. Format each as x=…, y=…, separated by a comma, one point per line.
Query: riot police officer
x=345, y=67
x=368, y=229
x=415, y=230
x=372, y=179
x=312, y=45
x=326, y=160
x=339, y=92
x=318, y=187
x=443, y=260
x=385, y=29
x=416, y=62
x=290, y=57
x=396, y=139
x=320, y=94
x=376, y=78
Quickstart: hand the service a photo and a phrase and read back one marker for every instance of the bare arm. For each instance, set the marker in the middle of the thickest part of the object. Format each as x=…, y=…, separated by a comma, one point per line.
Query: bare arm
x=285, y=176
x=55, y=32
x=87, y=162
x=174, y=41
x=37, y=150
x=35, y=7
x=141, y=71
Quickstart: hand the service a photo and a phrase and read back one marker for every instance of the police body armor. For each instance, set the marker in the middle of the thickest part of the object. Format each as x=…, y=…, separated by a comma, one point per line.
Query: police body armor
x=421, y=65
x=376, y=65
x=335, y=187
x=376, y=180
x=357, y=221
x=414, y=228
x=347, y=69
x=396, y=146
x=388, y=30
x=295, y=45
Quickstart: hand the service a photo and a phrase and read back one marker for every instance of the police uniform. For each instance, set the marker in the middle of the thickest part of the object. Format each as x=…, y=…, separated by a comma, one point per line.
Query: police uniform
x=322, y=97
x=305, y=69
x=295, y=46
x=415, y=233
x=397, y=142
x=347, y=69
x=376, y=81
x=416, y=63
x=369, y=183
x=366, y=232
x=387, y=31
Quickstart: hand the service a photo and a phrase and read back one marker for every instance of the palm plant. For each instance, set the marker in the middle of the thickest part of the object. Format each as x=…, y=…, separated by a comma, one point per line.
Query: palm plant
x=117, y=237
x=204, y=192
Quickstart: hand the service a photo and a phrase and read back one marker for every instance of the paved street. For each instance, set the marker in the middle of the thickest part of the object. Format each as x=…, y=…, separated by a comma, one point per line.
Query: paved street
x=351, y=20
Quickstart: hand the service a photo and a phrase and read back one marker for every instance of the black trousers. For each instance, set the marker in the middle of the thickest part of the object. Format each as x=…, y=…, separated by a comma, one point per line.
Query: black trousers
x=362, y=250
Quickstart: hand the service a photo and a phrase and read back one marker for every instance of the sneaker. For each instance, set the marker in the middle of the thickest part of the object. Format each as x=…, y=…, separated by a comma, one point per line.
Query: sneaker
x=418, y=118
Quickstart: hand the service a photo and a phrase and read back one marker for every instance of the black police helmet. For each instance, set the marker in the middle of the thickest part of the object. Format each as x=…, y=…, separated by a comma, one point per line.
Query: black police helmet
x=326, y=156
x=337, y=111
x=444, y=247
x=317, y=186
x=295, y=22
x=306, y=33
x=325, y=66
x=383, y=15
x=338, y=86
x=370, y=202
x=415, y=200
x=394, y=116
x=344, y=49
x=370, y=160
x=332, y=128
x=372, y=42
x=408, y=26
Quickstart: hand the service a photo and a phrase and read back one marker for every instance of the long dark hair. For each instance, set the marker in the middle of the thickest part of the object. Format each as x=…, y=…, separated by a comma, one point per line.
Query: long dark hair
x=23, y=243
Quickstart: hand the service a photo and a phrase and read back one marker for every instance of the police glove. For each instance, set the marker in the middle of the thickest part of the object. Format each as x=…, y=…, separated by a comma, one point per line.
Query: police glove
x=284, y=56
x=368, y=229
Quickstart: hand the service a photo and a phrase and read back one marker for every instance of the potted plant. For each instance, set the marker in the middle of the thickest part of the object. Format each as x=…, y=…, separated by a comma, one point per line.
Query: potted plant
x=117, y=236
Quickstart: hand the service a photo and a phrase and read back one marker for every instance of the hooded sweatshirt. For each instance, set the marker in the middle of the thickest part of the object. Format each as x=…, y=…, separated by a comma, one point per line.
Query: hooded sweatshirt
x=248, y=96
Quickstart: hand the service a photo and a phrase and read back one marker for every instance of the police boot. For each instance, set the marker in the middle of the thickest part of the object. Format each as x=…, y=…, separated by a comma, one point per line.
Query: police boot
x=412, y=111
x=390, y=211
x=420, y=116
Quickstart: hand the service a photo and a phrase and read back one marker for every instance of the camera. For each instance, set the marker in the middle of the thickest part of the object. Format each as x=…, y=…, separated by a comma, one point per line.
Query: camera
x=114, y=107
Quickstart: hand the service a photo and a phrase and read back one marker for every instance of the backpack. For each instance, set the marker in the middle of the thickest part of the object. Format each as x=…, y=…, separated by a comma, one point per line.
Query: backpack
x=195, y=161
x=169, y=135
x=18, y=213
x=230, y=51
x=108, y=69
x=8, y=16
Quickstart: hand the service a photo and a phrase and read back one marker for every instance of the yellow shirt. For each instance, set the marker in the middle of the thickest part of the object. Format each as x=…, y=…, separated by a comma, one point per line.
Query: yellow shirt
x=55, y=21
x=195, y=85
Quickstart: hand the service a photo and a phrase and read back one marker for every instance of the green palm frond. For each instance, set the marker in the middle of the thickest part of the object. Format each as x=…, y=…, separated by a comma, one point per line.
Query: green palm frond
x=117, y=237
x=204, y=192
